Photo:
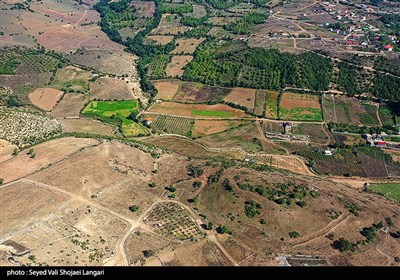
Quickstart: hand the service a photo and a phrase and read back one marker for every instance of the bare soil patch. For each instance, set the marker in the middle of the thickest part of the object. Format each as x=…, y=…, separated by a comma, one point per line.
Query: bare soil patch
x=175, y=67
x=198, y=93
x=294, y=100
x=70, y=105
x=187, y=46
x=46, y=153
x=111, y=88
x=45, y=98
x=166, y=89
x=160, y=39
x=145, y=8
x=6, y=149
x=242, y=96
x=86, y=126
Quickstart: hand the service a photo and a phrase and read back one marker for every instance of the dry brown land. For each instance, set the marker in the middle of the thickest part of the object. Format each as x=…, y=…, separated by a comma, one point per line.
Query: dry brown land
x=189, y=110
x=86, y=126
x=6, y=149
x=159, y=39
x=166, y=89
x=70, y=105
x=294, y=100
x=61, y=31
x=46, y=154
x=187, y=46
x=242, y=96
x=175, y=67
x=111, y=88
x=208, y=127
x=45, y=98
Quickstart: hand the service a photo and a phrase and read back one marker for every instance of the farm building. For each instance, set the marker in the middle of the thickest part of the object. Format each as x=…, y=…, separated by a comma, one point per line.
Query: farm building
x=148, y=121
x=328, y=152
x=388, y=47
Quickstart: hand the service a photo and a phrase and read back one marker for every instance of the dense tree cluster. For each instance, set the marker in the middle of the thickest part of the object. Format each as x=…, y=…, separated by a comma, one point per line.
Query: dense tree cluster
x=258, y=68
x=244, y=24
x=176, y=9
x=386, y=87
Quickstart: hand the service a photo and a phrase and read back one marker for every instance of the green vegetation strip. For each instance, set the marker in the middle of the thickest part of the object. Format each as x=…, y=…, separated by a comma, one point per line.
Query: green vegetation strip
x=211, y=113
x=391, y=190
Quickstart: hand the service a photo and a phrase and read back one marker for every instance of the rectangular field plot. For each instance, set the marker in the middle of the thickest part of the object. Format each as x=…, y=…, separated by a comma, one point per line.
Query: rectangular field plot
x=178, y=62
x=172, y=220
x=349, y=110
x=197, y=110
x=243, y=97
x=72, y=79
x=302, y=107
x=198, y=93
x=272, y=104
x=170, y=124
x=166, y=89
x=363, y=161
x=187, y=46
x=208, y=127
x=260, y=102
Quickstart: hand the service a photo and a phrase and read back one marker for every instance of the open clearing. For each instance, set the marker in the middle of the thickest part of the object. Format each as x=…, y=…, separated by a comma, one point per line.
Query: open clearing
x=59, y=26
x=45, y=98
x=349, y=110
x=46, y=153
x=166, y=89
x=178, y=62
x=391, y=190
x=242, y=96
x=197, y=110
x=187, y=46
x=208, y=127
x=110, y=88
x=70, y=105
x=169, y=25
x=160, y=39
x=303, y=107
x=6, y=149
x=86, y=126
x=145, y=8
x=72, y=79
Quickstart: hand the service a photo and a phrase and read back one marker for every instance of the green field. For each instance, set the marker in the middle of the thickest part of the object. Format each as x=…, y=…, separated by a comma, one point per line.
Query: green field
x=132, y=129
x=391, y=190
x=117, y=112
x=111, y=109
x=207, y=113
x=300, y=114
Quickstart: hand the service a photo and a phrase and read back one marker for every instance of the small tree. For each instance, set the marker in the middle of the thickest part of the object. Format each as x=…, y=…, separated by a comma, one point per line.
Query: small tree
x=15, y=152
x=1, y=181
x=152, y=185
x=171, y=188
x=148, y=253
x=134, y=208
x=294, y=234
x=197, y=184
x=210, y=226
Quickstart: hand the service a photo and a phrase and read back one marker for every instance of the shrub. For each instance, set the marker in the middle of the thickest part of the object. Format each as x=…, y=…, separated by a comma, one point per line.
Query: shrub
x=134, y=208
x=294, y=234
